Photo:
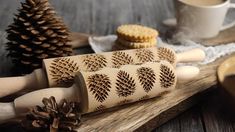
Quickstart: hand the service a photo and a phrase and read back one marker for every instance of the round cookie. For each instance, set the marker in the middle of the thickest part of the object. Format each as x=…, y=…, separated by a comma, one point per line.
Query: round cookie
x=136, y=33
x=137, y=45
x=118, y=46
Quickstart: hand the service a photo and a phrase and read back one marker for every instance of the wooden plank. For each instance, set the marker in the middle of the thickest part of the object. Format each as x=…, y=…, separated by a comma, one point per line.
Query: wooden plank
x=170, y=126
x=188, y=121
x=191, y=121
x=142, y=115
x=217, y=113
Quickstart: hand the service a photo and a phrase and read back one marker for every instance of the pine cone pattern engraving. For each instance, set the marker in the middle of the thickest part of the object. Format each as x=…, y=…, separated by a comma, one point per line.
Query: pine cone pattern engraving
x=62, y=71
x=167, y=77
x=94, y=62
x=146, y=77
x=166, y=54
x=99, y=85
x=99, y=108
x=145, y=55
x=125, y=84
x=125, y=101
x=121, y=58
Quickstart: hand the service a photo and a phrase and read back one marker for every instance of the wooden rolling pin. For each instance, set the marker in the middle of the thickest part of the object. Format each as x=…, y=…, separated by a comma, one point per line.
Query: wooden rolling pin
x=60, y=71
x=108, y=87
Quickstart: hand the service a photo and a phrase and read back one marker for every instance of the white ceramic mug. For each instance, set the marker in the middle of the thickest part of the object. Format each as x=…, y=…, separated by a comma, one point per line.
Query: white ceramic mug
x=200, y=22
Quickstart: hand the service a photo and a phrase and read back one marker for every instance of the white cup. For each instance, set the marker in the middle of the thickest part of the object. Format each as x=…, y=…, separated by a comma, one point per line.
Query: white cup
x=200, y=22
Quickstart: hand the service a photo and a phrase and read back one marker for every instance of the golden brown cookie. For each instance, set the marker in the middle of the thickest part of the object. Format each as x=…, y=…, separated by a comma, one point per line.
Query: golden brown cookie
x=137, y=45
x=136, y=33
x=118, y=46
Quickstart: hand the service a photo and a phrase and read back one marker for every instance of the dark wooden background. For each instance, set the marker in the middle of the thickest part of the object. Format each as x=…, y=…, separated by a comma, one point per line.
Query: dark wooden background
x=102, y=17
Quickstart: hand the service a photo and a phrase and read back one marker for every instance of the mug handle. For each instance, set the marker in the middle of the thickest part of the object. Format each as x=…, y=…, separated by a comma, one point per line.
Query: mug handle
x=227, y=26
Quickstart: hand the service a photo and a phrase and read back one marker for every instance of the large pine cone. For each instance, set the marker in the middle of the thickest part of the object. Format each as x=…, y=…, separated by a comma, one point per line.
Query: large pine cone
x=37, y=33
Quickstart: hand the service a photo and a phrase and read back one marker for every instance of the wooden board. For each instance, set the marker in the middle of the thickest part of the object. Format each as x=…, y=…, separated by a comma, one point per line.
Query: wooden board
x=146, y=115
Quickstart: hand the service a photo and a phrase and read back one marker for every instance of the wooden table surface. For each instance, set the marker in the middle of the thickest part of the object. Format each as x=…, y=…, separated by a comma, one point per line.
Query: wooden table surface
x=102, y=17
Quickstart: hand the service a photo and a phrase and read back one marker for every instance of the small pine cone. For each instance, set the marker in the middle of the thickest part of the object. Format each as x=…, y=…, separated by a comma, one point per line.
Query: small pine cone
x=145, y=55
x=125, y=85
x=94, y=62
x=121, y=58
x=36, y=33
x=64, y=116
x=166, y=54
x=167, y=77
x=99, y=85
x=62, y=71
x=146, y=77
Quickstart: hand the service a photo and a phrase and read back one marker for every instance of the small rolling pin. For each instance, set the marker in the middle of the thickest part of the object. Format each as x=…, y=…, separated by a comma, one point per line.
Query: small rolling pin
x=108, y=87
x=60, y=71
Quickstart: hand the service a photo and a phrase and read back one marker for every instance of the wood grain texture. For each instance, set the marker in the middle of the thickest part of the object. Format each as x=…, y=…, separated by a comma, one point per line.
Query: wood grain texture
x=102, y=17
x=217, y=112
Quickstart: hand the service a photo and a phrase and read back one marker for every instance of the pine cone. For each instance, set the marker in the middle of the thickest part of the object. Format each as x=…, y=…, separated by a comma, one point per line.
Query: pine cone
x=37, y=33
x=166, y=54
x=145, y=55
x=62, y=71
x=146, y=77
x=64, y=116
x=99, y=85
x=125, y=85
x=94, y=62
x=167, y=77
x=121, y=58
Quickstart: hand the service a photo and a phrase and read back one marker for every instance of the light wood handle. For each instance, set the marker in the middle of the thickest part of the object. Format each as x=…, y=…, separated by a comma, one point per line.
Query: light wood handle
x=193, y=55
x=78, y=39
x=31, y=99
x=11, y=85
x=186, y=72
x=35, y=80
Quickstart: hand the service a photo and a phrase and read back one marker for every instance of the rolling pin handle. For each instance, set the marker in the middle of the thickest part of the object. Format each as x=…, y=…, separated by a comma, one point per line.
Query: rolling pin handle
x=193, y=55
x=187, y=72
x=78, y=40
x=10, y=85
x=31, y=99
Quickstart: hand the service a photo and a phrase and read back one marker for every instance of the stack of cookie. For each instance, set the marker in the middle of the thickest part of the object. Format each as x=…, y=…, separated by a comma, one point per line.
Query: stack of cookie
x=135, y=37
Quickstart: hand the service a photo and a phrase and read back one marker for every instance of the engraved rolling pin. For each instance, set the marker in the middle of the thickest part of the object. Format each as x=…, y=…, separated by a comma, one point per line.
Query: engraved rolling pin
x=60, y=71
x=108, y=87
